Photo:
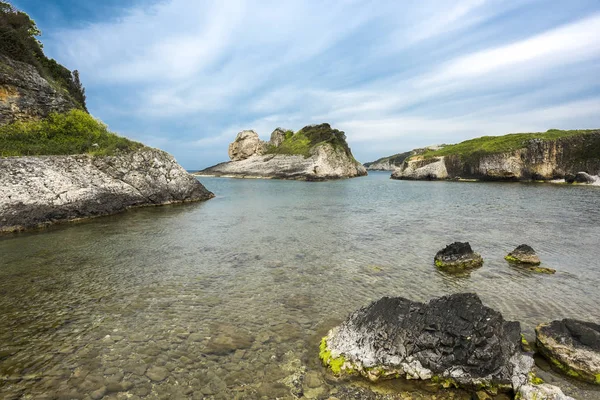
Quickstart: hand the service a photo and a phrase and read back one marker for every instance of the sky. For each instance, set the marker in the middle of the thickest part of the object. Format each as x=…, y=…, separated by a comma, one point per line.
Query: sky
x=187, y=75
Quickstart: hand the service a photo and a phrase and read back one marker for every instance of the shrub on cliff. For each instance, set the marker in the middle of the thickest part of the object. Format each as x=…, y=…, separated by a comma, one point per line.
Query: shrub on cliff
x=19, y=41
x=308, y=137
x=74, y=132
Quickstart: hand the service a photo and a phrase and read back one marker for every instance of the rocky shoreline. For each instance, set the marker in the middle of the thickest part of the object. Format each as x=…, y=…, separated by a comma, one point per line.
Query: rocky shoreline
x=315, y=153
x=40, y=191
x=571, y=158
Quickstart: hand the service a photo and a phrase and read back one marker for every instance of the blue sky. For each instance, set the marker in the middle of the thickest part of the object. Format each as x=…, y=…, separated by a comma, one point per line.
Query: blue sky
x=187, y=75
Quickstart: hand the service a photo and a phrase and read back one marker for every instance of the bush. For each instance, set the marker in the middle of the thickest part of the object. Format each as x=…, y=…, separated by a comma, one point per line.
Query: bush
x=74, y=132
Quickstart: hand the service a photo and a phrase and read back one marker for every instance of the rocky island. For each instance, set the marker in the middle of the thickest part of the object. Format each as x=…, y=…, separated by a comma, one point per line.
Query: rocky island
x=387, y=163
x=57, y=162
x=555, y=155
x=314, y=153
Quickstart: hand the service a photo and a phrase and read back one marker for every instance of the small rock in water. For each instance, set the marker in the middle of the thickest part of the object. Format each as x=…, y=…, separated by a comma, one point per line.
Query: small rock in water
x=572, y=346
x=227, y=339
x=523, y=254
x=458, y=256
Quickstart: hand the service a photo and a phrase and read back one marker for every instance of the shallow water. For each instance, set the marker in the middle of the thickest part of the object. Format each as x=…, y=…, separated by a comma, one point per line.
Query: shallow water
x=228, y=298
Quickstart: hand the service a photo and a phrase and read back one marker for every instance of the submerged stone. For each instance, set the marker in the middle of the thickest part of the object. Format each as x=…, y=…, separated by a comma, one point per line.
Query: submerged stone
x=458, y=256
x=572, y=346
x=453, y=341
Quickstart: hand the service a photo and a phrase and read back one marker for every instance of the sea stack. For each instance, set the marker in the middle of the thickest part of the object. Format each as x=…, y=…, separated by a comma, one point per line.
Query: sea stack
x=314, y=153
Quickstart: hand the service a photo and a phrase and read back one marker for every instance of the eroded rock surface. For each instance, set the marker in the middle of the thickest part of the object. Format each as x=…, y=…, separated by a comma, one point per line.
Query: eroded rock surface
x=26, y=95
x=458, y=256
x=573, y=347
x=37, y=191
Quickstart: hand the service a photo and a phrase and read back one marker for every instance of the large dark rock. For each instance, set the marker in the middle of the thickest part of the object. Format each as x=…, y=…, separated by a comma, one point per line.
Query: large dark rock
x=450, y=338
x=458, y=256
x=573, y=346
x=452, y=341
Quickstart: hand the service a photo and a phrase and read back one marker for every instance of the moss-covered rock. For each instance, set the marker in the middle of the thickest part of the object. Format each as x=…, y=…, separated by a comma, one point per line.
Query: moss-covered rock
x=457, y=256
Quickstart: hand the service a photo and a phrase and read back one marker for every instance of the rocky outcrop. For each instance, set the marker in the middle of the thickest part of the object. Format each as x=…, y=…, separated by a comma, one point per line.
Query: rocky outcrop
x=457, y=256
x=573, y=347
x=26, y=95
x=300, y=156
x=574, y=157
x=452, y=340
x=246, y=144
x=38, y=191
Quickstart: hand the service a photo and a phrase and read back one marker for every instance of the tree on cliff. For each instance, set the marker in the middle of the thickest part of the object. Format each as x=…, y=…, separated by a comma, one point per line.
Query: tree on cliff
x=19, y=41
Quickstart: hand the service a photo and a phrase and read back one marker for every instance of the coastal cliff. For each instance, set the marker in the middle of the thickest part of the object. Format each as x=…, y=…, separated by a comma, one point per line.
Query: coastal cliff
x=57, y=162
x=387, y=163
x=38, y=191
x=548, y=156
x=314, y=153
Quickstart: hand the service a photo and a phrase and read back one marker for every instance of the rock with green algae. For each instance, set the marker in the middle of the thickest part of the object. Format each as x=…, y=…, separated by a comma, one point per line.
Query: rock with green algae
x=572, y=346
x=457, y=256
x=523, y=254
x=453, y=341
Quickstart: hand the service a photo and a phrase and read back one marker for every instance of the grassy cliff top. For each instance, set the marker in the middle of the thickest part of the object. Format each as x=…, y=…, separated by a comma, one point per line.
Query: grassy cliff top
x=502, y=144
x=301, y=142
x=74, y=132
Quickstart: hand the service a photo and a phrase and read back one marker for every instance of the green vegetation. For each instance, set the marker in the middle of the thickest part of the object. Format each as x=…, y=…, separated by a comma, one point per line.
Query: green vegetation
x=334, y=363
x=18, y=41
x=500, y=144
x=74, y=132
x=305, y=139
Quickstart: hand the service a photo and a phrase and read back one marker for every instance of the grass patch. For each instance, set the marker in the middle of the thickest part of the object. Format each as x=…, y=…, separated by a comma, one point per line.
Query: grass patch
x=74, y=132
x=500, y=144
x=301, y=142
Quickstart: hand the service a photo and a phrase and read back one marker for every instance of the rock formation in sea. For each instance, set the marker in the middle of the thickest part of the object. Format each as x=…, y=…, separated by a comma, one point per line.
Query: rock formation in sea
x=452, y=340
x=571, y=156
x=457, y=256
x=58, y=163
x=572, y=346
x=37, y=191
x=314, y=153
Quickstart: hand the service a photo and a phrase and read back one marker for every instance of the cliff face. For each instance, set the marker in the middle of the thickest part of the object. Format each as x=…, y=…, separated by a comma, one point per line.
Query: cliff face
x=290, y=155
x=26, y=95
x=38, y=191
x=538, y=159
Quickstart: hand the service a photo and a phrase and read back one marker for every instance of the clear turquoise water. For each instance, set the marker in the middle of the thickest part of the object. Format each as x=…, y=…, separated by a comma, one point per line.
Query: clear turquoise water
x=87, y=305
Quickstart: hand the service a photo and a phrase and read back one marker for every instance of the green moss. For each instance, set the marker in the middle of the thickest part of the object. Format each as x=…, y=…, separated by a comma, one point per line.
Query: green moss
x=485, y=145
x=334, y=363
x=598, y=379
x=533, y=378
x=511, y=259
x=74, y=132
x=444, y=382
x=525, y=344
x=439, y=263
x=565, y=368
x=301, y=142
